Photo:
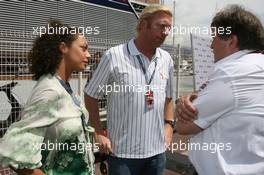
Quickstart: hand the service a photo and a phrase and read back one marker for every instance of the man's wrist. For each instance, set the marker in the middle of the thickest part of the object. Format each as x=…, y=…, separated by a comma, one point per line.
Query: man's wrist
x=170, y=122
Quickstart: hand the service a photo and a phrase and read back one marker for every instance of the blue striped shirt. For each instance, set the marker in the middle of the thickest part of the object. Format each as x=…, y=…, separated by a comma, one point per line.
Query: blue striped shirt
x=135, y=131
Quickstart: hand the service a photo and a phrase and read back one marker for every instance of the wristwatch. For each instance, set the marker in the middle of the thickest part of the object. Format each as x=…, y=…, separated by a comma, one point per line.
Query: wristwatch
x=172, y=123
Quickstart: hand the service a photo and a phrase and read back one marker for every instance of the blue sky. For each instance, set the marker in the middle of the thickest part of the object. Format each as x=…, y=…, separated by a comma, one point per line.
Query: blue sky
x=200, y=12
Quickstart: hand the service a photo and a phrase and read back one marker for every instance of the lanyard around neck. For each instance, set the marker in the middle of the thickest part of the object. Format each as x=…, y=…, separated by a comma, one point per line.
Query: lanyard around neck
x=145, y=71
x=67, y=87
x=143, y=68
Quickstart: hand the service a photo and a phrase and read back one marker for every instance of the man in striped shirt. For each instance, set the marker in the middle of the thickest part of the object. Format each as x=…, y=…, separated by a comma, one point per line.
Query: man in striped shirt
x=138, y=79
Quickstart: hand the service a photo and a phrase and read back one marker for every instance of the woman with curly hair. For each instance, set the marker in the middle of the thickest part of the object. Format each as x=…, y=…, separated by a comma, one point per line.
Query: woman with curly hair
x=51, y=137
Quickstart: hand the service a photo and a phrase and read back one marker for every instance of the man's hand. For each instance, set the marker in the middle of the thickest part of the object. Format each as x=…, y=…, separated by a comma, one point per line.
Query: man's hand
x=185, y=111
x=100, y=137
x=168, y=132
x=104, y=143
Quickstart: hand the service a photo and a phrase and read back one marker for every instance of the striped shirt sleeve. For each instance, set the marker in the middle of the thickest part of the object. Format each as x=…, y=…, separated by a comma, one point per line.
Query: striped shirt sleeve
x=171, y=83
x=97, y=85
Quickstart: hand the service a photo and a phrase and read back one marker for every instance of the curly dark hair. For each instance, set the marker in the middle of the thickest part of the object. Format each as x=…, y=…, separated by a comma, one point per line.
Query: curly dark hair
x=245, y=25
x=45, y=55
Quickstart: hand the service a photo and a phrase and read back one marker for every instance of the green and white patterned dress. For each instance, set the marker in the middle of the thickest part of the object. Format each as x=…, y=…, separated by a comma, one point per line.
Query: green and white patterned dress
x=50, y=135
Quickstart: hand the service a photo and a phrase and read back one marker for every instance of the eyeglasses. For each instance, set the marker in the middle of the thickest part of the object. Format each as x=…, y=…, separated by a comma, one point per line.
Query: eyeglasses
x=163, y=27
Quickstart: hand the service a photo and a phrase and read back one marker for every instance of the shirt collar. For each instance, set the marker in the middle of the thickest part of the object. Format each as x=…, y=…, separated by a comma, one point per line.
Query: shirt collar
x=66, y=85
x=132, y=49
x=233, y=56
